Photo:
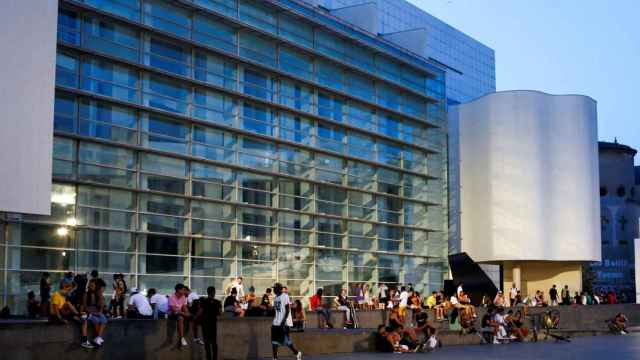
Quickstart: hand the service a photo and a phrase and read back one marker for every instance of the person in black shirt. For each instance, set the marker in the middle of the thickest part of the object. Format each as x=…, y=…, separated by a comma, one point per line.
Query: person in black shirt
x=208, y=313
x=422, y=324
x=382, y=343
x=488, y=326
x=45, y=293
x=265, y=303
x=231, y=304
x=33, y=306
x=553, y=295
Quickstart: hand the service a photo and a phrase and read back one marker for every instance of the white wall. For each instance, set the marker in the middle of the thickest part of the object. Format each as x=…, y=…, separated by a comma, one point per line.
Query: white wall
x=27, y=71
x=529, y=177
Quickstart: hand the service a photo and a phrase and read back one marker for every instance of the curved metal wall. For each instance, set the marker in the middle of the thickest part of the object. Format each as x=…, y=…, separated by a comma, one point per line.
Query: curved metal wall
x=529, y=177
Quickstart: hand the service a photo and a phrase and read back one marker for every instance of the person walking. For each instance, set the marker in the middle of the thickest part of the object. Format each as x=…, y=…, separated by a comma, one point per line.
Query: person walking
x=208, y=312
x=282, y=323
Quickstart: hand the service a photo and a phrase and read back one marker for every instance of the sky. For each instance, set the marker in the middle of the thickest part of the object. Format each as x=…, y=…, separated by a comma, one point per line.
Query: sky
x=589, y=47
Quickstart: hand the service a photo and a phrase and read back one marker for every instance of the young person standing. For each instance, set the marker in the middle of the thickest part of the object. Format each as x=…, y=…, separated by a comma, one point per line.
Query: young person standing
x=208, y=313
x=282, y=322
x=553, y=295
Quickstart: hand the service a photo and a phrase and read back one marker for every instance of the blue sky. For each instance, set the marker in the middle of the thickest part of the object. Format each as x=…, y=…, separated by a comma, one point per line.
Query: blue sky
x=589, y=47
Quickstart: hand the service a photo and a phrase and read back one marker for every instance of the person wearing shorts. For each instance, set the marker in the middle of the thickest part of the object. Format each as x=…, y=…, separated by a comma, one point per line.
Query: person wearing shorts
x=282, y=323
x=92, y=312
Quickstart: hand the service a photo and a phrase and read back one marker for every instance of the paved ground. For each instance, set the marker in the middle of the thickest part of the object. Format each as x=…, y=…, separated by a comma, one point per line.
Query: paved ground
x=583, y=348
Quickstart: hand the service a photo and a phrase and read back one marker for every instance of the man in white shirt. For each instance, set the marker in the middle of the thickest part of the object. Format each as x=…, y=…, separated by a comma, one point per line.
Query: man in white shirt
x=404, y=301
x=282, y=322
x=139, y=307
x=239, y=288
x=459, y=290
x=499, y=318
x=159, y=303
x=383, y=296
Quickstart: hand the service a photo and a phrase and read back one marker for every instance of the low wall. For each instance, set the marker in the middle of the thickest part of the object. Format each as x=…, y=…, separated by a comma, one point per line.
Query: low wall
x=240, y=338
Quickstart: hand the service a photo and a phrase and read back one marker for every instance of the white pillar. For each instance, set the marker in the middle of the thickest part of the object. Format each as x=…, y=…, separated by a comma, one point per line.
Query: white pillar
x=516, y=277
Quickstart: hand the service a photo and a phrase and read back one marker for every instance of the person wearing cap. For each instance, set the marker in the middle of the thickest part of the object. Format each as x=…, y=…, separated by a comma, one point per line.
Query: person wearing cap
x=139, y=307
x=324, y=315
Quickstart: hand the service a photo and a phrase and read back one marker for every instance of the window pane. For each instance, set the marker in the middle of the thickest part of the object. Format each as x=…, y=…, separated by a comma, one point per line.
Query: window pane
x=164, y=165
x=129, y=9
x=109, y=79
x=163, y=16
x=214, y=33
x=65, y=112
x=163, y=134
x=227, y=7
x=215, y=70
x=169, y=56
x=111, y=38
x=165, y=94
x=258, y=15
x=106, y=121
x=257, y=48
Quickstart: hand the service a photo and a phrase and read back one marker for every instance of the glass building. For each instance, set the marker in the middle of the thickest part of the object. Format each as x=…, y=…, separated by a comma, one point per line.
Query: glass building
x=196, y=141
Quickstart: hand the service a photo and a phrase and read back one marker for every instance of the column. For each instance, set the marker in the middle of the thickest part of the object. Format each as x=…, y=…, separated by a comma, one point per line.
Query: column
x=516, y=276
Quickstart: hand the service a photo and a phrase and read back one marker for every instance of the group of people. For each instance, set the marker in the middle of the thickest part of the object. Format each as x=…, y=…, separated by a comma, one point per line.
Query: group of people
x=556, y=297
x=80, y=298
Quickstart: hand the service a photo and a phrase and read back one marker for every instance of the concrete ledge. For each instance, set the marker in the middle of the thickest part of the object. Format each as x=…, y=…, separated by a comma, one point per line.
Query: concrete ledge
x=246, y=338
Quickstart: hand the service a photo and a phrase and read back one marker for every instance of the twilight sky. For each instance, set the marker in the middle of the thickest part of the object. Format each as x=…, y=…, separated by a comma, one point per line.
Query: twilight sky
x=589, y=47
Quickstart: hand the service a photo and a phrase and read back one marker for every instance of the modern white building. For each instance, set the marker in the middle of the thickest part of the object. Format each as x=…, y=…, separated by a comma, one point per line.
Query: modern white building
x=529, y=185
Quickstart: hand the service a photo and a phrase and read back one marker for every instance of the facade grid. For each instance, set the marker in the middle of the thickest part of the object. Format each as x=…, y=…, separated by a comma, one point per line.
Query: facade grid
x=196, y=141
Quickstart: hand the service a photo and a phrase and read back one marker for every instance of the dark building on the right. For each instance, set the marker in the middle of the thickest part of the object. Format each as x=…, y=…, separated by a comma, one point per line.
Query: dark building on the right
x=620, y=210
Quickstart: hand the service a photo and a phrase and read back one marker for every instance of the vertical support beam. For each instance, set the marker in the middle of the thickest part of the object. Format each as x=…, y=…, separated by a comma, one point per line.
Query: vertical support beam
x=637, y=267
x=517, y=277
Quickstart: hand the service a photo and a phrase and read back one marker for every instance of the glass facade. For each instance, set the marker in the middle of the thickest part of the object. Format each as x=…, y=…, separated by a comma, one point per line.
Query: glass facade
x=196, y=142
